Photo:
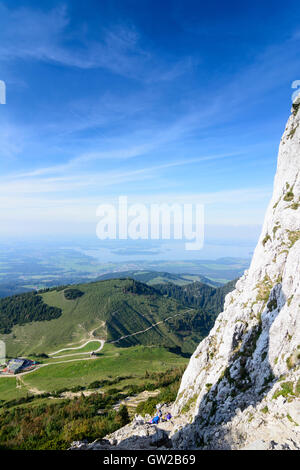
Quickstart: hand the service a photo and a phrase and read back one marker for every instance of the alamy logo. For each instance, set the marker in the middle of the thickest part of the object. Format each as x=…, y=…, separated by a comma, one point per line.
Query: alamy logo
x=2, y=92
x=2, y=353
x=295, y=84
x=155, y=221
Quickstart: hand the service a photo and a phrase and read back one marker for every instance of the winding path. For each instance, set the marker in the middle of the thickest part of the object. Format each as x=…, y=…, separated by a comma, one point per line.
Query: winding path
x=149, y=327
x=101, y=341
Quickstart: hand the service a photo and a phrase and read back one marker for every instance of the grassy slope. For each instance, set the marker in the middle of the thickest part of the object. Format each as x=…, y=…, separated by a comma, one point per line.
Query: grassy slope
x=104, y=301
x=8, y=389
x=125, y=312
x=130, y=363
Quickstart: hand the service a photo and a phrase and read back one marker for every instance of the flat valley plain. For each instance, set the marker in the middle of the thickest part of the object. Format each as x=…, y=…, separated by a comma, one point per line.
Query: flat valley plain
x=23, y=268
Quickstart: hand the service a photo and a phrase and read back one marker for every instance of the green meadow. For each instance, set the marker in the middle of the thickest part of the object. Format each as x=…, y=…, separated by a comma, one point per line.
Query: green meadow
x=107, y=310
x=127, y=364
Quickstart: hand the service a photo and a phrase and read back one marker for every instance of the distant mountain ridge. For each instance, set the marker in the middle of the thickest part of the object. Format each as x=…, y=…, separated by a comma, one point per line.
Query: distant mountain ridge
x=158, y=277
x=27, y=270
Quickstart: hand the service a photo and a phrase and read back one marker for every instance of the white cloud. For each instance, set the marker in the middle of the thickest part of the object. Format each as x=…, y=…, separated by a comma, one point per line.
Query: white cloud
x=44, y=36
x=240, y=207
x=36, y=181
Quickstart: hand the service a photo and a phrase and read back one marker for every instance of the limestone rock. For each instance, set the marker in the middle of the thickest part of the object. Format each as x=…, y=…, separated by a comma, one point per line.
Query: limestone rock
x=134, y=436
x=232, y=380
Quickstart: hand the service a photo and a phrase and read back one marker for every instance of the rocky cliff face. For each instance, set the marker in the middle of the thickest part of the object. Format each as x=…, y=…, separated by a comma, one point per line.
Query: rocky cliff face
x=242, y=383
x=241, y=389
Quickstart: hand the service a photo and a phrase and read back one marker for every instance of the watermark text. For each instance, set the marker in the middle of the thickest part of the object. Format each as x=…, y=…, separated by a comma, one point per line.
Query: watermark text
x=2, y=353
x=295, y=84
x=2, y=92
x=154, y=221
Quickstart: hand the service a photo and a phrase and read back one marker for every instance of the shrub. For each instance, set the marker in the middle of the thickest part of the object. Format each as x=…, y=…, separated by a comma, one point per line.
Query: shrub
x=293, y=237
x=266, y=239
x=289, y=196
x=290, y=362
x=123, y=415
x=285, y=391
x=272, y=305
x=71, y=294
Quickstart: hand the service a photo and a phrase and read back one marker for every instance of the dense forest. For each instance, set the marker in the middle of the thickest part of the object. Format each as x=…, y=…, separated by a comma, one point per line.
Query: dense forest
x=198, y=295
x=72, y=294
x=24, y=308
x=137, y=287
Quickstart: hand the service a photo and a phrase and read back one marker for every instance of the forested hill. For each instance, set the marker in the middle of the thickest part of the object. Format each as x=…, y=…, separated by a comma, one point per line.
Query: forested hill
x=113, y=309
x=24, y=308
x=198, y=295
x=44, y=321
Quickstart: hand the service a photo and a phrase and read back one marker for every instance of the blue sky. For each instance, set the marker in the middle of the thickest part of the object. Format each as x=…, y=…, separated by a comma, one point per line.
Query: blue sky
x=160, y=101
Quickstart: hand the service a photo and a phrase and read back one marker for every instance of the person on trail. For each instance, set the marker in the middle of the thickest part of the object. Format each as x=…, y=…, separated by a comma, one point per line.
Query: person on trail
x=155, y=420
x=169, y=417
